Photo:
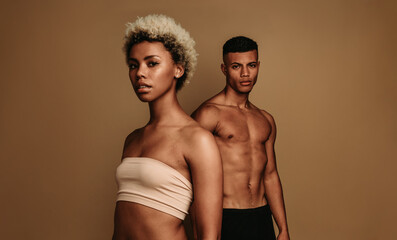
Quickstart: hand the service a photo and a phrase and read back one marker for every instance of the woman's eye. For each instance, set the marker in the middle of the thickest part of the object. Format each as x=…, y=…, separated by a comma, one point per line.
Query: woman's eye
x=132, y=66
x=152, y=64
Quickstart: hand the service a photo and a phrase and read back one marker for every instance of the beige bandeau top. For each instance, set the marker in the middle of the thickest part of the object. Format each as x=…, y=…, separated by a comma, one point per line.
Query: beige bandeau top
x=154, y=184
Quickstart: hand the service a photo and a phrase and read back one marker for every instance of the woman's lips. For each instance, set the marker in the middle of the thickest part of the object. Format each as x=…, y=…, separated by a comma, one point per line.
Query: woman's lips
x=143, y=88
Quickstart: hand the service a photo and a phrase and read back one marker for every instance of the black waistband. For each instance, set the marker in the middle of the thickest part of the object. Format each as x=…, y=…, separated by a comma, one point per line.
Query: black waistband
x=246, y=210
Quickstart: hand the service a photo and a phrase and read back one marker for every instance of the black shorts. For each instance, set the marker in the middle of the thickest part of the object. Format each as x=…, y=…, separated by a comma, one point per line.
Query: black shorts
x=248, y=224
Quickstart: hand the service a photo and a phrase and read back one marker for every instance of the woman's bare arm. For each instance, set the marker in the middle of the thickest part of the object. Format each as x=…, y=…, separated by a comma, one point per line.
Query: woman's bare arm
x=206, y=170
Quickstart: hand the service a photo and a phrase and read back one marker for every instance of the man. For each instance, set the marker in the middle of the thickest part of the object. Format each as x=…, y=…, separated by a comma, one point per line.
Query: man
x=245, y=136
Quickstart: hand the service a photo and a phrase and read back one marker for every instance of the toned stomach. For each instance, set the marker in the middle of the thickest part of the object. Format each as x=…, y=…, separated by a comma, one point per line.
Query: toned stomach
x=134, y=221
x=242, y=191
x=243, y=173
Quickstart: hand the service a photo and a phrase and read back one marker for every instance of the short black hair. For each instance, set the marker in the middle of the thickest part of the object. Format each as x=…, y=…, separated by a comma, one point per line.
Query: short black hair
x=239, y=44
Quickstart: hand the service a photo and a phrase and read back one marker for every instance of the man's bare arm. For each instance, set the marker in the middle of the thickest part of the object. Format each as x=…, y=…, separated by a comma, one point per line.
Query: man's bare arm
x=274, y=192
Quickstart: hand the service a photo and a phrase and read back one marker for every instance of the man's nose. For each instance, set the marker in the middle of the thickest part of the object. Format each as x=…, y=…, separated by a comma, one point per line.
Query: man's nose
x=244, y=72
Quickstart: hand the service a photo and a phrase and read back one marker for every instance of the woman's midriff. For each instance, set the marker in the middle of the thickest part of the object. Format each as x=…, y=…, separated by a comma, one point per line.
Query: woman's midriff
x=134, y=221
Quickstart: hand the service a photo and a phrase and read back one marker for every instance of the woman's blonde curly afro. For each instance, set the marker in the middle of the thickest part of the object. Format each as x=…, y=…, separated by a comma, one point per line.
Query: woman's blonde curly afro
x=175, y=39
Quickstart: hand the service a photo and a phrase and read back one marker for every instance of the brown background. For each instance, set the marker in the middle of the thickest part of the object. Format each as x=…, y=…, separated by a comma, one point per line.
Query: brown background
x=328, y=75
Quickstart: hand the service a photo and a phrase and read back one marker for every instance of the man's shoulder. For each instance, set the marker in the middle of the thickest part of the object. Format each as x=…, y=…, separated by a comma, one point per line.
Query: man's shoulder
x=209, y=107
x=209, y=113
x=267, y=114
x=263, y=112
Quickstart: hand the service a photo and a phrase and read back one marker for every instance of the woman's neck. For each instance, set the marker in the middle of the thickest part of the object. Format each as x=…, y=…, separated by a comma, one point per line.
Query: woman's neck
x=165, y=110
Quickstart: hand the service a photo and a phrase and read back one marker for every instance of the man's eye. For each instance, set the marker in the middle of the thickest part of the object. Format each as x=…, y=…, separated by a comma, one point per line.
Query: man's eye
x=252, y=65
x=235, y=66
x=152, y=64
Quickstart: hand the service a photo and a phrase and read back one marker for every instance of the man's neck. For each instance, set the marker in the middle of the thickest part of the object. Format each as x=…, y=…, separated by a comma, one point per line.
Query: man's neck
x=234, y=98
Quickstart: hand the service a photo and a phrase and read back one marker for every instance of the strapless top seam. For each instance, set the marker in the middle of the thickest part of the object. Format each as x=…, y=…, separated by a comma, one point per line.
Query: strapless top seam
x=163, y=164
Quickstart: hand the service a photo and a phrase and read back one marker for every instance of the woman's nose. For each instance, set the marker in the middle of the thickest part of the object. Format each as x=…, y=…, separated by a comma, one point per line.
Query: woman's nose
x=141, y=72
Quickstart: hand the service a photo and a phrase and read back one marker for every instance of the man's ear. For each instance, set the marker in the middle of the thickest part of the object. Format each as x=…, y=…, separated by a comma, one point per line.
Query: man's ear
x=179, y=71
x=223, y=68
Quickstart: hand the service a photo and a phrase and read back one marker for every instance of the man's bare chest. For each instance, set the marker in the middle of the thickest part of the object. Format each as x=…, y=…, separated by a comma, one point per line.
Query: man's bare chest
x=243, y=127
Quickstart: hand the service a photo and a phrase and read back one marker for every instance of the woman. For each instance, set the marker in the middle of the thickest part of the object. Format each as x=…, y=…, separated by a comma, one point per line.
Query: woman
x=171, y=161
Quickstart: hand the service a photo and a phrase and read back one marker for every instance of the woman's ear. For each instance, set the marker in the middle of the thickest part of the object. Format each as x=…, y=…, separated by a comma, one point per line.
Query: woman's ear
x=179, y=71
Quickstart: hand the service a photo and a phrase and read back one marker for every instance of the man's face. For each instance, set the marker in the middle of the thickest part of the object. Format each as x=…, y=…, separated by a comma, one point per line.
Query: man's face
x=241, y=70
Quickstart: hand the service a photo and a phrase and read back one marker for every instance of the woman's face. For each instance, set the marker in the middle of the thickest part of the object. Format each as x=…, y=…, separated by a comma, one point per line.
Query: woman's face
x=152, y=70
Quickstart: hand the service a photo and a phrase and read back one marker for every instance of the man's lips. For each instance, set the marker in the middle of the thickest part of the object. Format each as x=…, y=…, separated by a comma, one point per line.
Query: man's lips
x=245, y=83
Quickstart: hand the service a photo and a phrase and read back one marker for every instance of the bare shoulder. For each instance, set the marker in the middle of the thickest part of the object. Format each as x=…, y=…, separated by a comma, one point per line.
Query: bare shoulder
x=131, y=140
x=196, y=140
x=208, y=114
x=264, y=113
x=133, y=136
x=194, y=134
x=270, y=120
x=209, y=107
x=268, y=116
